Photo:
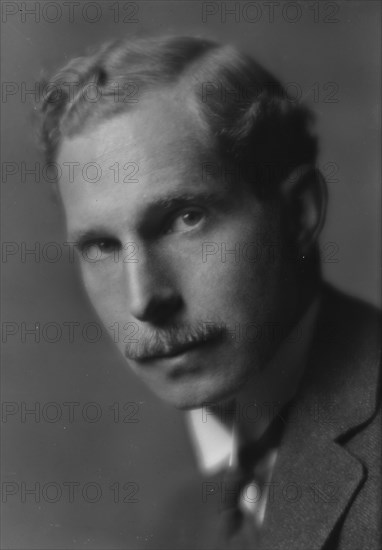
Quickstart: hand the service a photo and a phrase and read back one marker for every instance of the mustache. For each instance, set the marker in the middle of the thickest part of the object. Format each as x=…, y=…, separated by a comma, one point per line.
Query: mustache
x=151, y=344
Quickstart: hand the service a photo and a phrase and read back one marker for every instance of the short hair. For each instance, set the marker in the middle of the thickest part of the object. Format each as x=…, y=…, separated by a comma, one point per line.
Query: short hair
x=252, y=121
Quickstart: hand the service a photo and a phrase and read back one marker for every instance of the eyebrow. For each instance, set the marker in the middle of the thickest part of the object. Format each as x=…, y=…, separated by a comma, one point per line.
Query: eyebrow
x=81, y=236
x=171, y=201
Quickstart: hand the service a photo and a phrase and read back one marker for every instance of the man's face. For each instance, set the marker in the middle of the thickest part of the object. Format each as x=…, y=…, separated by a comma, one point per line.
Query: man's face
x=156, y=240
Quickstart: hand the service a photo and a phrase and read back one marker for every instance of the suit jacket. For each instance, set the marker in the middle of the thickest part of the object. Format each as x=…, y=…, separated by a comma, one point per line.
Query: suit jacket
x=326, y=486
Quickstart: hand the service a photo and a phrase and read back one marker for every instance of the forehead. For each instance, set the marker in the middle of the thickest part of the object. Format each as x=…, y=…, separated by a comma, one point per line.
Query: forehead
x=159, y=148
x=160, y=133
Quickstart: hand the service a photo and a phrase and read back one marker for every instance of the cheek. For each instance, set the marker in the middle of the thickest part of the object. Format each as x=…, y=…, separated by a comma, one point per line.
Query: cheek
x=104, y=289
x=228, y=271
x=238, y=286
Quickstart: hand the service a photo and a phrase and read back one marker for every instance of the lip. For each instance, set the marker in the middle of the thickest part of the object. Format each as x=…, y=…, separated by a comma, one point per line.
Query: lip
x=174, y=353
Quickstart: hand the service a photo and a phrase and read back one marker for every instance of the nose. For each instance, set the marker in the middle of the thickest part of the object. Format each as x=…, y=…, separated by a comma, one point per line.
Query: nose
x=152, y=297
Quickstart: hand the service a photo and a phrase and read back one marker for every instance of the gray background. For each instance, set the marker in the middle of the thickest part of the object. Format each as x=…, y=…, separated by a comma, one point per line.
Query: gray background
x=340, y=44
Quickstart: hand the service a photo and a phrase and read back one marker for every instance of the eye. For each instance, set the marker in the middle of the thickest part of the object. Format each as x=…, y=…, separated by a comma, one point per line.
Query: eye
x=186, y=220
x=97, y=250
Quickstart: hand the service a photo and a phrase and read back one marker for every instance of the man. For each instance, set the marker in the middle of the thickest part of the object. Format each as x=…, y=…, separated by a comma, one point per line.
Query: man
x=195, y=203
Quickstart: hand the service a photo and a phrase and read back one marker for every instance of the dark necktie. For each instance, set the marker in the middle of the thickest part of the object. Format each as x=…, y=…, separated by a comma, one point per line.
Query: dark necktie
x=237, y=529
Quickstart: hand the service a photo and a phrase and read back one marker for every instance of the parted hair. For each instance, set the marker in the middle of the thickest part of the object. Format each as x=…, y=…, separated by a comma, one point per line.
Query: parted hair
x=248, y=116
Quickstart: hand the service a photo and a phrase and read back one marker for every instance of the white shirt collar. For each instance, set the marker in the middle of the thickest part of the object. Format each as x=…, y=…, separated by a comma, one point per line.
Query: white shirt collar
x=214, y=443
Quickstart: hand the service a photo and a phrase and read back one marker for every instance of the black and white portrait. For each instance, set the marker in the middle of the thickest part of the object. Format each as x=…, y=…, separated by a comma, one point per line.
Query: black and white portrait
x=191, y=275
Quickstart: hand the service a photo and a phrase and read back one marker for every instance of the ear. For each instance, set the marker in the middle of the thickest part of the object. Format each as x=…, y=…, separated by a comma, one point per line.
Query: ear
x=305, y=196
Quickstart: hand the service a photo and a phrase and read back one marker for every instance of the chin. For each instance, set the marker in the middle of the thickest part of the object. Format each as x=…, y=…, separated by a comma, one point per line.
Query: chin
x=194, y=396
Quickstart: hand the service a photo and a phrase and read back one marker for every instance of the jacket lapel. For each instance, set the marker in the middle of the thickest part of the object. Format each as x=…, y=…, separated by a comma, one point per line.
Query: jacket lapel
x=315, y=477
x=314, y=480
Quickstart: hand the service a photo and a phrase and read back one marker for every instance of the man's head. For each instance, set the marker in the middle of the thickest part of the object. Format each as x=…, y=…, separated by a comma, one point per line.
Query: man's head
x=191, y=207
